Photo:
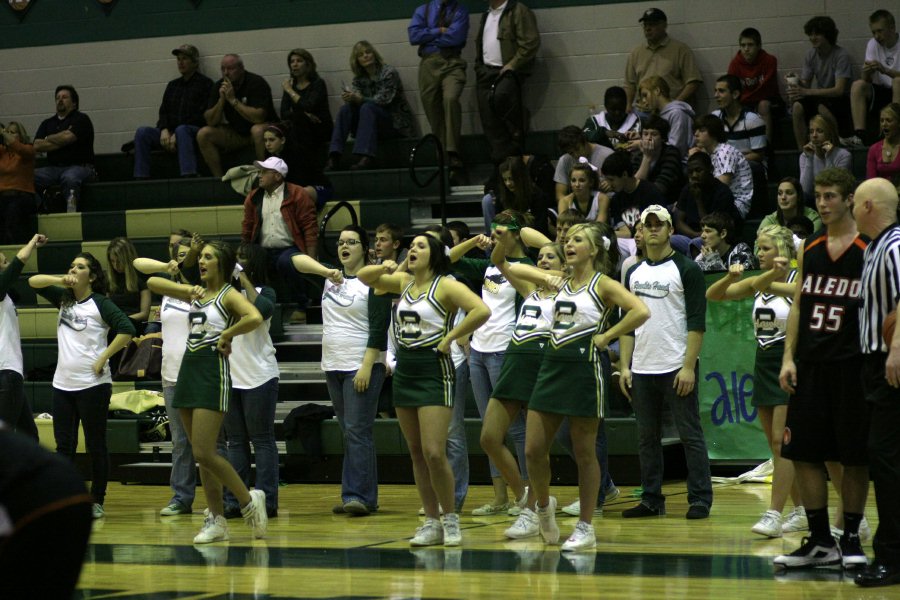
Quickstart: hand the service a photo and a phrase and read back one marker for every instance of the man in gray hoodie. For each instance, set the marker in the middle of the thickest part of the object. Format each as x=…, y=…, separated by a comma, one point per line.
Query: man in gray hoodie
x=654, y=95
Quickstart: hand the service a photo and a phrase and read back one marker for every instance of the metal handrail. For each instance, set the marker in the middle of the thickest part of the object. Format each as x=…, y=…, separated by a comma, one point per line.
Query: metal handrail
x=342, y=204
x=441, y=158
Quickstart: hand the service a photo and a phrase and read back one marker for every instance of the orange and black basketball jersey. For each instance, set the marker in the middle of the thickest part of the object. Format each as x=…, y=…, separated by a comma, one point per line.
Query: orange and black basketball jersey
x=829, y=300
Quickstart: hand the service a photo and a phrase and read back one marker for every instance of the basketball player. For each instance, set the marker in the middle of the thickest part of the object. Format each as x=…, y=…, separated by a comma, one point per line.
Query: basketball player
x=828, y=419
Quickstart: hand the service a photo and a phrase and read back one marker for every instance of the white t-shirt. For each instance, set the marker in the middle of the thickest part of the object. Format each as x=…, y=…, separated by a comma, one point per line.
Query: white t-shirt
x=173, y=314
x=252, y=358
x=10, y=339
x=500, y=296
x=345, y=324
x=490, y=44
x=889, y=57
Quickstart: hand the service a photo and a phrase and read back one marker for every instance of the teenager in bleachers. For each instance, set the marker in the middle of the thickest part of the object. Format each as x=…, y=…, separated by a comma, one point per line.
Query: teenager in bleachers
x=615, y=124
x=790, y=205
x=729, y=164
x=822, y=151
x=660, y=163
x=758, y=73
x=127, y=288
x=880, y=81
x=374, y=108
x=884, y=156
x=655, y=98
x=574, y=145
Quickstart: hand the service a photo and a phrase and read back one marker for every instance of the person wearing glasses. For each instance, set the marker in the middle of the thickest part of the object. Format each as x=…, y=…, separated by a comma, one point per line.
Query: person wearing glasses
x=354, y=339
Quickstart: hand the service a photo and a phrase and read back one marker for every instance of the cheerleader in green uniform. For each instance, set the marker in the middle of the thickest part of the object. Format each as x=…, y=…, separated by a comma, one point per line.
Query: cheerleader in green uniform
x=218, y=313
x=423, y=379
x=570, y=382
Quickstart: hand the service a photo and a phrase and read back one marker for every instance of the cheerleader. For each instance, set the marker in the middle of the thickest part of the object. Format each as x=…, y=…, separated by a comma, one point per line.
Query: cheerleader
x=82, y=384
x=218, y=313
x=423, y=380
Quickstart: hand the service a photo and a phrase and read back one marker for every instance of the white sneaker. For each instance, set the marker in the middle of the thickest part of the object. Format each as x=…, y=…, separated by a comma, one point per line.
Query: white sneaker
x=547, y=519
x=255, y=515
x=97, y=511
x=865, y=531
x=574, y=509
x=429, y=534
x=582, y=538
x=527, y=525
x=795, y=521
x=515, y=509
x=452, y=534
x=769, y=524
x=486, y=510
x=214, y=530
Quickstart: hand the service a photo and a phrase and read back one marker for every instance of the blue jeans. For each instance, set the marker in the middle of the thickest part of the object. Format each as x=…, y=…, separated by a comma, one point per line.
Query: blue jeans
x=649, y=395
x=68, y=178
x=484, y=370
x=91, y=407
x=146, y=139
x=457, y=446
x=356, y=413
x=14, y=409
x=368, y=122
x=251, y=418
x=489, y=209
x=183, y=478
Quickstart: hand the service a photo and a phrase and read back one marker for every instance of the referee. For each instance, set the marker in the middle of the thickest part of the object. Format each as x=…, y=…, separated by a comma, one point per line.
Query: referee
x=875, y=210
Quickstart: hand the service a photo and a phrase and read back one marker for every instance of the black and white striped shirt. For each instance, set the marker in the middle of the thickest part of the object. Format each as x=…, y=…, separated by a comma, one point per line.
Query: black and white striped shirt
x=880, y=288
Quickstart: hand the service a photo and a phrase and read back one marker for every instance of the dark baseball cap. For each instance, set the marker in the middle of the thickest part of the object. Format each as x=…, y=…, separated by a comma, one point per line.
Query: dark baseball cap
x=187, y=50
x=653, y=15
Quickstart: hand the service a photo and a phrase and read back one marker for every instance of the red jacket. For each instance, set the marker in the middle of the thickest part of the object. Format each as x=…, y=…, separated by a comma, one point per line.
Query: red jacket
x=298, y=211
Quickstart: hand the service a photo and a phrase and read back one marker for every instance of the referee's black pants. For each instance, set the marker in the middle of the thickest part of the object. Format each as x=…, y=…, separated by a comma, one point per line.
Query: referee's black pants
x=884, y=457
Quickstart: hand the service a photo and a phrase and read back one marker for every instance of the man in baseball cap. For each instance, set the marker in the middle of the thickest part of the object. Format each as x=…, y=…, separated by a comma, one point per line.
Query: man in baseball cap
x=180, y=117
x=662, y=56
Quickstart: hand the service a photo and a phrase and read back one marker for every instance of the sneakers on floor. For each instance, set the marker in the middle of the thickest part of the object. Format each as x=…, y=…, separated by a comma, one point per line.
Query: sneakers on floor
x=173, y=509
x=515, y=509
x=795, y=521
x=431, y=533
x=255, y=515
x=865, y=531
x=697, y=511
x=574, y=509
x=769, y=524
x=852, y=555
x=526, y=525
x=642, y=510
x=355, y=507
x=452, y=533
x=487, y=510
x=810, y=554
x=582, y=538
x=215, y=529
x=547, y=521
x=97, y=511
x=612, y=494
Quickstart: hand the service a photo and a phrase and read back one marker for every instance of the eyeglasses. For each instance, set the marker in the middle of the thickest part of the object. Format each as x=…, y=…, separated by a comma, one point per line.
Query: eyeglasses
x=348, y=243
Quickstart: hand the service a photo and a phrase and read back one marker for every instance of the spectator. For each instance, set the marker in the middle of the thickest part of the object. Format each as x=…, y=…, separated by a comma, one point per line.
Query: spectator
x=281, y=217
x=719, y=250
x=758, y=73
x=505, y=47
x=729, y=165
x=459, y=231
x=744, y=129
x=574, y=145
x=790, y=206
x=239, y=100
x=660, y=162
x=541, y=173
x=127, y=289
x=302, y=170
x=680, y=116
x=884, y=157
x=584, y=197
x=822, y=152
x=566, y=219
x=803, y=227
x=703, y=195
x=663, y=57
x=304, y=111
x=180, y=117
x=17, y=201
x=880, y=81
x=630, y=194
x=519, y=193
x=832, y=68
x=440, y=28
x=388, y=239
x=374, y=107
x=615, y=123
x=68, y=140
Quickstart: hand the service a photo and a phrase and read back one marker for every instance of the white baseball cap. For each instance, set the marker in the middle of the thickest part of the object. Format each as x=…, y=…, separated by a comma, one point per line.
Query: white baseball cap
x=273, y=163
x=660, y=211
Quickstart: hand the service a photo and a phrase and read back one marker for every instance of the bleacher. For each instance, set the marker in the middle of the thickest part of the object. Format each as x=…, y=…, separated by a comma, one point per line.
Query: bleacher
x=146, y=211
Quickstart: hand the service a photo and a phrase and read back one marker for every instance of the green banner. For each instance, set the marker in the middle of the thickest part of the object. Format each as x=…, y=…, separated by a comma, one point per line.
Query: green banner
x=730, y=421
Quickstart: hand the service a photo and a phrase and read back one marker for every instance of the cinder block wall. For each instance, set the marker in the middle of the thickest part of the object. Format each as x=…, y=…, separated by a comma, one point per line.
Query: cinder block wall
x=584, y=49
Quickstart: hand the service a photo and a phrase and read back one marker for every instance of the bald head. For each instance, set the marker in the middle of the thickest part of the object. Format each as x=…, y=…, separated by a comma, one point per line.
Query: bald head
x=875, y=206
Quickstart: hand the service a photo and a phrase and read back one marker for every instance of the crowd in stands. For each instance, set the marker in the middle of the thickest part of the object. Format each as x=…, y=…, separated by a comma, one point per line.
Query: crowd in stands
x=647, y=192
